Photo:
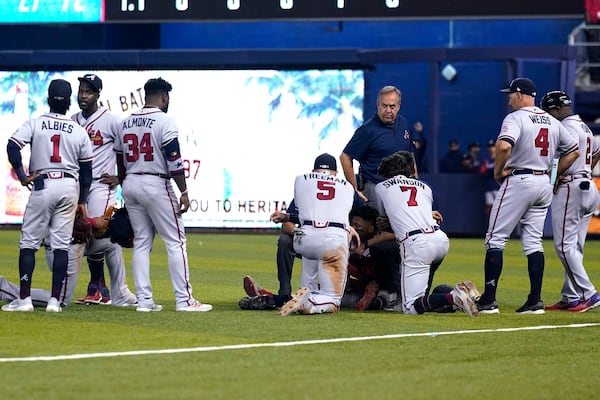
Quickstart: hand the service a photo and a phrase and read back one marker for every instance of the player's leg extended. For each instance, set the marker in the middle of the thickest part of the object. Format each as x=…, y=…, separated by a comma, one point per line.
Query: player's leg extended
x=532, y=233
x=169, y=225
x=116, y=269
x=143, y=230
x=333, y=271
x=509, y=205
x=67, y=292
x=415, y=265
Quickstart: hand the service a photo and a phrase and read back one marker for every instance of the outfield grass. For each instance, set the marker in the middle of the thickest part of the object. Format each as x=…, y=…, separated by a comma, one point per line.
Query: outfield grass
x=492, y=364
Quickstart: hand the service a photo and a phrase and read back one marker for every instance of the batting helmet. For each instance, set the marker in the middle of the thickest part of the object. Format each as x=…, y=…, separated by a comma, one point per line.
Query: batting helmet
x=555, y=99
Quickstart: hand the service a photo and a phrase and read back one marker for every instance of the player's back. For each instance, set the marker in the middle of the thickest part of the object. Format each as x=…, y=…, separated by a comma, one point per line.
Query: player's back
x=587, y=145
x=535, y=135
x=59, y=143
x=323, y=198
x=142, y=136
x=407, y=202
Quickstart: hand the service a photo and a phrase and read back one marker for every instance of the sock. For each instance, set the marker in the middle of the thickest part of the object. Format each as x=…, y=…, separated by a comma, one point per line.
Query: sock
x=26, y=267
x=59, y=271
x=493, y=269
x=535, y=265
x=429, y=303
x=96, y=266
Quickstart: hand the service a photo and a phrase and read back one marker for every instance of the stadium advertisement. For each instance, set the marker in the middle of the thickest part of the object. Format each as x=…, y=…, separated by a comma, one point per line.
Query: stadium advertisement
x=244, y=135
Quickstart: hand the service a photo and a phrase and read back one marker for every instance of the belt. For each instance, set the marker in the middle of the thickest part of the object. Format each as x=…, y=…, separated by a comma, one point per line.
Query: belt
x=325, y=224
x=579, y=175
x=526, y=171
x=431, y=229
x=164, y=176
x=57, y=175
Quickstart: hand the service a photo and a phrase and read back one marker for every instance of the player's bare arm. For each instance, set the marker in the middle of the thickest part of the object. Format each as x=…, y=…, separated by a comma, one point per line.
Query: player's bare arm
x=279, y=217
x=437, y=216
x=566, y=161
x=184, y=200
x=503, y=150
x=348, y=168
x=595, y=159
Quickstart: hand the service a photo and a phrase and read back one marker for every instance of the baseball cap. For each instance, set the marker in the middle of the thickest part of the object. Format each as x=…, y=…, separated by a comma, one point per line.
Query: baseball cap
x=521, y=85
x=325, y=161
x=59, y=89
x=555, y=99
x=93, y=80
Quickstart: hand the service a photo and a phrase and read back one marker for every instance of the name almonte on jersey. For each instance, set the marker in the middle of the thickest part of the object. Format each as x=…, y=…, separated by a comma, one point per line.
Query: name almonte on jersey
x=138, y=122
x=61, y=126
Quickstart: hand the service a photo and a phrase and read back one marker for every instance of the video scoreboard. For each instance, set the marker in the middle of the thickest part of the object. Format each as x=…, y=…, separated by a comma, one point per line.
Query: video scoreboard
x=95, y=11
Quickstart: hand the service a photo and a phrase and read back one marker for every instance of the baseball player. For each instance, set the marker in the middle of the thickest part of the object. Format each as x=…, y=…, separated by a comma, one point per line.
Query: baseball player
x=575, y=199
x=61, y=175
x=324, y=201
x=148, y=156
x=408, y=203
x=102, y=128
x=525, y=147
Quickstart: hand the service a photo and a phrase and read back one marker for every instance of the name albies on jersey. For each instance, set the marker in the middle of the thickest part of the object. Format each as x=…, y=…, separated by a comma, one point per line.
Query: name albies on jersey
x=536, y=137
x=323, y=198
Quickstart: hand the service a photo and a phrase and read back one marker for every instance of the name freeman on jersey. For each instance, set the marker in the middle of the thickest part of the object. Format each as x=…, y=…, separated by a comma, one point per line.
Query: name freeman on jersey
x=57, y=126
x=403, y=181
x=540, y=119
x=321, y=177
x=138, y=122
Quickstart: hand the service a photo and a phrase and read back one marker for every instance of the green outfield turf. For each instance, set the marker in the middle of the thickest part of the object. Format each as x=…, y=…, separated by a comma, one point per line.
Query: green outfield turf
x=101, y=352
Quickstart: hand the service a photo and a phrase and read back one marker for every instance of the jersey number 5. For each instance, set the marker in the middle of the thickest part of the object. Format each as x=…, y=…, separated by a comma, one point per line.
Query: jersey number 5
x=541, y=141
x=136, y=146
x=327, y=190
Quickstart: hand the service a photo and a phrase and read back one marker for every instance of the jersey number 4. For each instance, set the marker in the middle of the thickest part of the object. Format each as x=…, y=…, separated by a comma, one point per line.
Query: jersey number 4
x=136, y=146
x=541, y=141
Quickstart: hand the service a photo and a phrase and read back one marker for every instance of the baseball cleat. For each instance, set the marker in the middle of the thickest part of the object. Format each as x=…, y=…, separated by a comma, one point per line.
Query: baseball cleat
x=53, y=305
x=149, y=308
x=588, y=304
x=263, y=302
x=22, y=305
x=491, y=308
x=196, y=306
x=562, y=305
x=296, y=304
x=474, y=294
x=368, y=297
x=253, y=289
x=462, y=299
x=537, y=308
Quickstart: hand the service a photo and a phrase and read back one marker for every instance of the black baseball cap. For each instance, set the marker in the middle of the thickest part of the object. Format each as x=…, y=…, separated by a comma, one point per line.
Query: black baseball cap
x=325, y=161
x=555, y=99
x=93, y=80
x=521, y=85
x=59, y=89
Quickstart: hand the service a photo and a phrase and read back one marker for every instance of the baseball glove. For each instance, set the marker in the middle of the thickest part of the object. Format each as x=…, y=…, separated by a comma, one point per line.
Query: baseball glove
x=100, y=229
x=119, y=228
x=82, y=230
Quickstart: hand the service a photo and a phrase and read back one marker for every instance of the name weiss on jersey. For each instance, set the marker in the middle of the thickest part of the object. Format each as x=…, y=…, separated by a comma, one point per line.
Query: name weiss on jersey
x=403, y=181
x=540, y=119
x=138, y=122
x=57, y=126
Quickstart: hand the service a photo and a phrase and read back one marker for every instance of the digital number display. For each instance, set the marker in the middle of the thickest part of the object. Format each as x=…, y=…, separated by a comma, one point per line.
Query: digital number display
x=51, y=11
x=198, y=10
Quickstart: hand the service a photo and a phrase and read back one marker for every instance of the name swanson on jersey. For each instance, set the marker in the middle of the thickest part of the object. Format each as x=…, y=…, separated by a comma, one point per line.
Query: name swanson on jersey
x=403, y=181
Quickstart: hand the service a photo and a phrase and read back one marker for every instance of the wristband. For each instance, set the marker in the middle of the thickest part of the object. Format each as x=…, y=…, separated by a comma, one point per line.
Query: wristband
x=184, y=192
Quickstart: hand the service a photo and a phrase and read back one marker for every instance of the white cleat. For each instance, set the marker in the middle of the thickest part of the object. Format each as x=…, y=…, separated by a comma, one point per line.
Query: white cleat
x=462, y=300
x=196, y=307
x=150, y=308
x=21, y=305
x=53, y=305
x=296, y=304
